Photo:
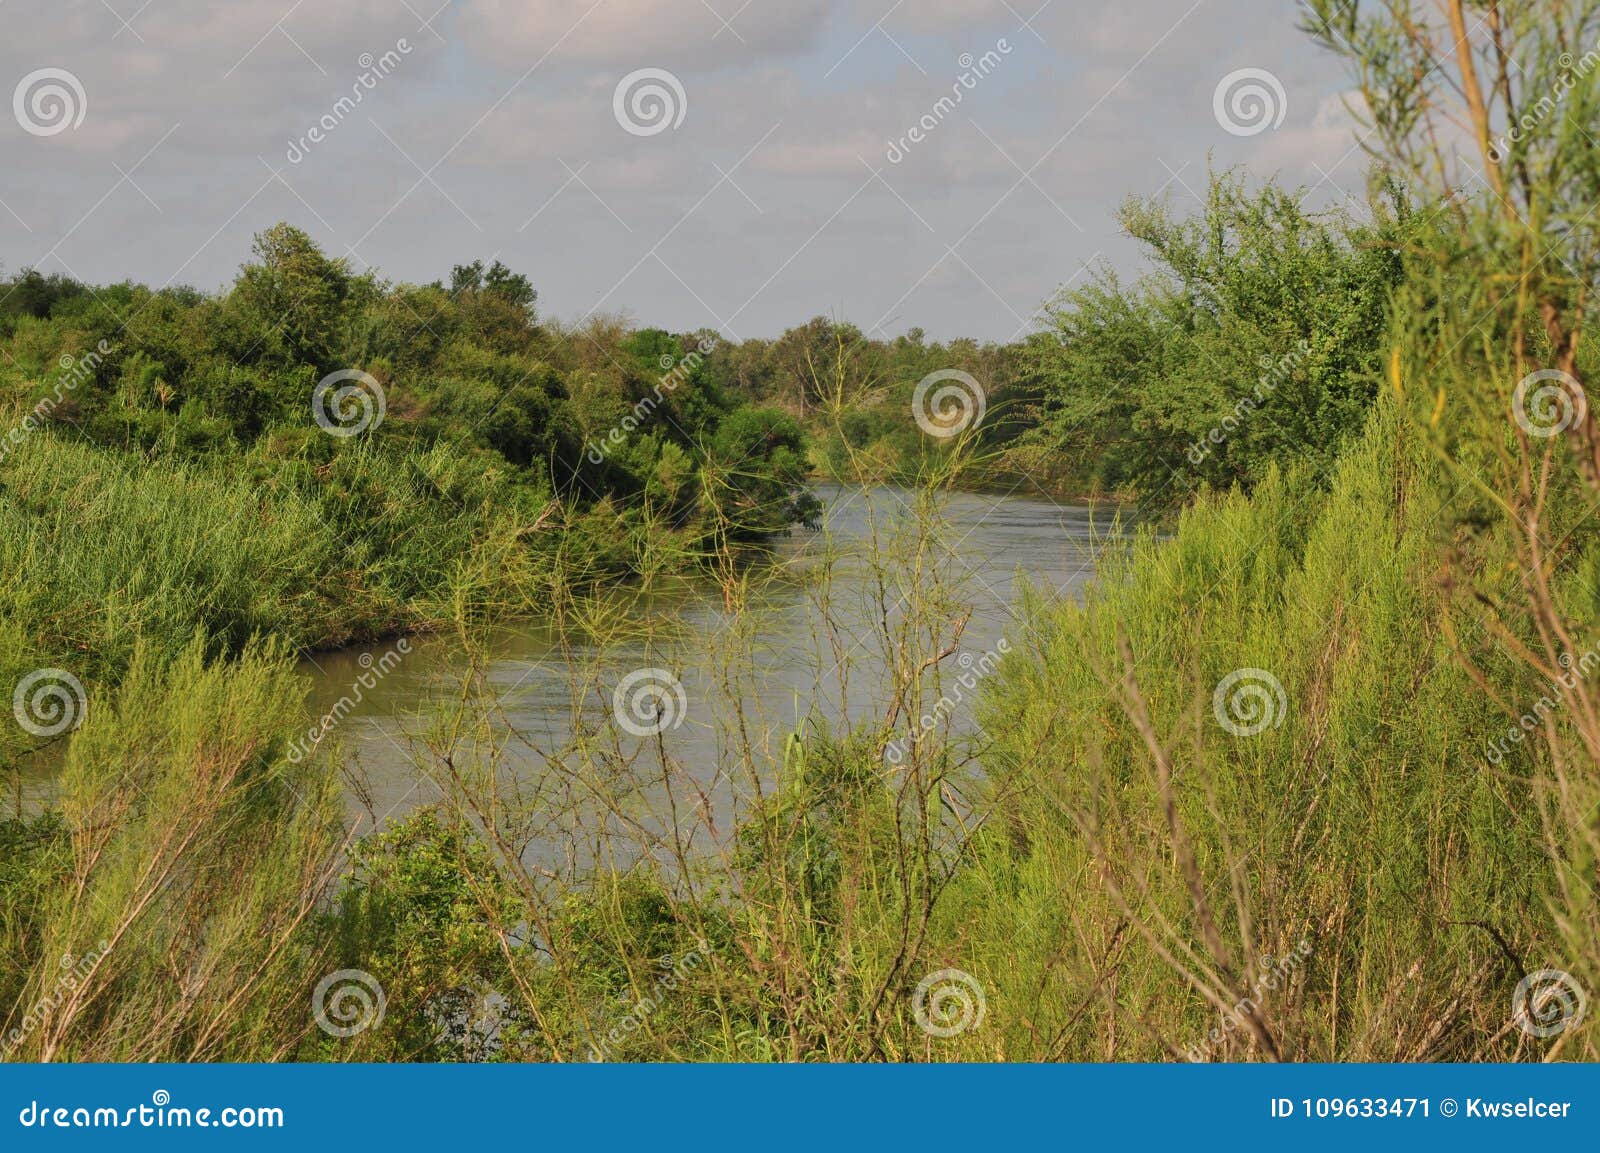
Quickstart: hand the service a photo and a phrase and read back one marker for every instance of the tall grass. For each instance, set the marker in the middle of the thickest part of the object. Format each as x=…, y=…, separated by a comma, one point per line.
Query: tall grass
x=1254, y=798
x=1127, y=879
x=1155, y=868
x=168, y=911
x=1123, y=878
x=105, y=552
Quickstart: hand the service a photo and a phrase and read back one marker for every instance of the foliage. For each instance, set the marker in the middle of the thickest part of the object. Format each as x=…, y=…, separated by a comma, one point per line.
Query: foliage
x=463, y=371
x=1405, y=574
x=177, y=952
x=1256, y=340
x=854, y=396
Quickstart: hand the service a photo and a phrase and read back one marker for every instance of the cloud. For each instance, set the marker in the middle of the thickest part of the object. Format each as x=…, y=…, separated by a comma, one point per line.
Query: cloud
x=1324, y=139
x=636, y=33
x=837, y=156
x=531, y=165
x=949, y=15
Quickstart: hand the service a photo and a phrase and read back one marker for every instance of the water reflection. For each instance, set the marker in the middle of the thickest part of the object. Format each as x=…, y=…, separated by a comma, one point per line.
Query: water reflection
x=805, y=651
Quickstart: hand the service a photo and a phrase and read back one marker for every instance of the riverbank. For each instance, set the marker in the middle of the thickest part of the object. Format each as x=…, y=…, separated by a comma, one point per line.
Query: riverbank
x=1312, y=777
x=551, y=686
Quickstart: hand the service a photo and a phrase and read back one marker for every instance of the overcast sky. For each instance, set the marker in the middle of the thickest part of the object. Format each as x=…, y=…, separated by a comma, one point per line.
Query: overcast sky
x=761, y=172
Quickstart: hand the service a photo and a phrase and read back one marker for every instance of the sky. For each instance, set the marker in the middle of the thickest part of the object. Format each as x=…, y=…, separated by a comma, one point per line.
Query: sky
x=741, y=165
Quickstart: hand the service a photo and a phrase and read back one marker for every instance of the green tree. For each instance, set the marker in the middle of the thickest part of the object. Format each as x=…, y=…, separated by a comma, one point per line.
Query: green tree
x=1254, y=340
x=294, y=297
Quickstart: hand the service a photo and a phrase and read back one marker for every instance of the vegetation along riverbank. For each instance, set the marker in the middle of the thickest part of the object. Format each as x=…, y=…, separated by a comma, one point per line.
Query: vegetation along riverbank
x=1309, y=771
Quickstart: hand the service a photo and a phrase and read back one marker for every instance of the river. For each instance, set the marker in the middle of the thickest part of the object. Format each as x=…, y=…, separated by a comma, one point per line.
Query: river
x=802, y=652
